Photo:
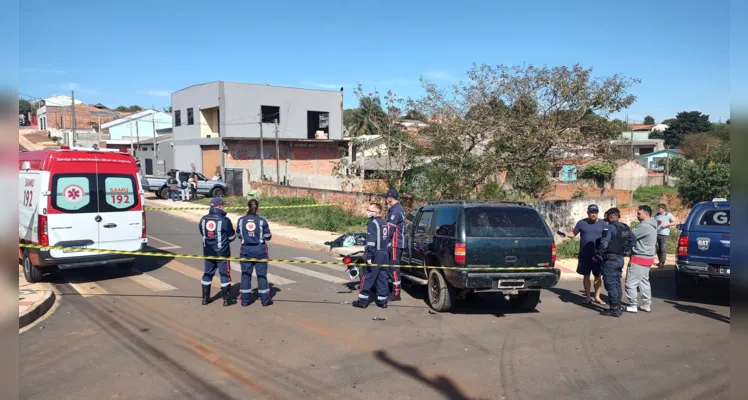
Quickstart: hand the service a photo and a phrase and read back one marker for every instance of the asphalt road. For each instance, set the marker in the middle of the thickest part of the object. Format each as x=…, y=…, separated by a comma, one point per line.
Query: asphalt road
x=142, y=334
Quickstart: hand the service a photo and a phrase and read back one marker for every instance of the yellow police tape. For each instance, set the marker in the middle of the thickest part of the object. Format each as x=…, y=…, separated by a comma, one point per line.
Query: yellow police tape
x=240, y=259
x=242, y=207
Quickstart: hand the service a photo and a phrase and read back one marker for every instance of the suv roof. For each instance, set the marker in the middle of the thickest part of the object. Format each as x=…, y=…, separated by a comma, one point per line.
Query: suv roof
x=477, y=202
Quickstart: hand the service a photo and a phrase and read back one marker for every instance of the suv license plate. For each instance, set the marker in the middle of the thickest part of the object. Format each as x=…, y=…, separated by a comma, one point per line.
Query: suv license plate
x=510, y=283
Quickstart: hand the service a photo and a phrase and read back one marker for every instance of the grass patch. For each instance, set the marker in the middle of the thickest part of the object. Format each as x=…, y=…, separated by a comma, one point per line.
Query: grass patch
x=568, y=248
x=650, y=195
x=331, y=218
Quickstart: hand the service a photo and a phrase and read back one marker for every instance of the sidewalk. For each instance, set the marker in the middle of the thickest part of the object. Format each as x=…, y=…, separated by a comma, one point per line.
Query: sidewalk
x=316, y=239
x=309, y=237
x=34, y=300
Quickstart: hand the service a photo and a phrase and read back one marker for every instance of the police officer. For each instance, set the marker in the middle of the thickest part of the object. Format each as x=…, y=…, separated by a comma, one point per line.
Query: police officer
x=396, y=227
x=617, y=241
x=218, y=233
x=377, y=242
x=253, y=232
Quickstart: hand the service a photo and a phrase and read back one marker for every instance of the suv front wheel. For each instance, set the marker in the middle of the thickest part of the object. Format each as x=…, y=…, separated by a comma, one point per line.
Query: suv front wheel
x=441, y=293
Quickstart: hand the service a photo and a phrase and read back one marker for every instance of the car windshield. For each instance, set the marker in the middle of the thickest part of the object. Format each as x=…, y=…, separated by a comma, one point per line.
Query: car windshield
x=504, y=222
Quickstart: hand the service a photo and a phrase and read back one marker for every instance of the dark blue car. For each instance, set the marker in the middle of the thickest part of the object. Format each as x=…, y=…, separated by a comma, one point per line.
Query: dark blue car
x=703, y=247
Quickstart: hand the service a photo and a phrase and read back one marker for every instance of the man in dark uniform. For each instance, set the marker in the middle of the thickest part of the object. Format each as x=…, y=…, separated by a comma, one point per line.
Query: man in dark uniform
x=617, y=242
x=396, y=227
x=377, y=242
x=218, y=233
x=253, y=232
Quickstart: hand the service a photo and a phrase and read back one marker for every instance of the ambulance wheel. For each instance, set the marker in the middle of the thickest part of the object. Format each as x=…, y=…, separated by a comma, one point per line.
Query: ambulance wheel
x=441, y=293
x=32, y=273
x=525, y=301
x=164, y=194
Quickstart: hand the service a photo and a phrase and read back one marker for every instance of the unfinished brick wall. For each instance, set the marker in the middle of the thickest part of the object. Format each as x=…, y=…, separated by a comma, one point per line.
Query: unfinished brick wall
x=673, y=201
x=314, y=158
x=560, y=191
x=61, y=117
x=628, y=214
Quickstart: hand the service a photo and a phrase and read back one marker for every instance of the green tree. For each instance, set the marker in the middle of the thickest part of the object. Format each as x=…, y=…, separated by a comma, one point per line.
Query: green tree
x=600, y=172
x=669, y=121
x=532, y=182
x=649, y=120
x=415, y=115
x=133, y=108
x=24, y=107
x=699, y=145
x=168, y=109
x=686, y=123
x=516, y=118
x=706, y=178
x=721, y=131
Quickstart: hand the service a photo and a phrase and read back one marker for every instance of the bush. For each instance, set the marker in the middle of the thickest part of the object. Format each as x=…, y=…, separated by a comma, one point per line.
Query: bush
x=650, y=195
x=600, y=172
x=568, y=248
x=579, y=194
x=329, y=218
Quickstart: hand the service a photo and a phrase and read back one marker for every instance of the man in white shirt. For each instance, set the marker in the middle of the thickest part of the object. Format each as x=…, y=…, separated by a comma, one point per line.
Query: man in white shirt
x=664, y=221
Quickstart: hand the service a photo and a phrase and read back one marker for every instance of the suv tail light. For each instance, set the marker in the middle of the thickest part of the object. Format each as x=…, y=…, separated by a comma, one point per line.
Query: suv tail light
x=460, y=253
x=43, y=231
x=683, y=246
x=347, y=260
x=144, y=234
x=553, y=253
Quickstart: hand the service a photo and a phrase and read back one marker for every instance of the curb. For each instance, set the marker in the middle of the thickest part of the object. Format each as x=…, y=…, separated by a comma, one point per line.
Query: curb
x=38, y=310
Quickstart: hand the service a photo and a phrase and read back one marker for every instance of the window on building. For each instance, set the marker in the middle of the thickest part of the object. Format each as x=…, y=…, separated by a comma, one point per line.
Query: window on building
x=318, y=121
x=178, y=118
x=270, y=114
x=646, y=150
x=190, y=117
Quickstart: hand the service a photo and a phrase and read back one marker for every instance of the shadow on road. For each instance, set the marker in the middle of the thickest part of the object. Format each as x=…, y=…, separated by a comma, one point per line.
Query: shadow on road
x=474, y=304
x=143, y=264
x=577, y=298
x=441, y=383
x=704, y=312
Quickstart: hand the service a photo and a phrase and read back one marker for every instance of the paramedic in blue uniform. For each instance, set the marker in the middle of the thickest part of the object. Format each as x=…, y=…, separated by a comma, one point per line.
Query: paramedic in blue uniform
x=377, y=254
x=218, y=233
x=396, y=227
x=253, y=232
x=617, y=242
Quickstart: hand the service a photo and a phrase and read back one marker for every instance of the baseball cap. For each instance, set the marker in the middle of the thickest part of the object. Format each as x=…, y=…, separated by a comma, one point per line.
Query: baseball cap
x=391, y=193
x=592, y=208
x=216, y=201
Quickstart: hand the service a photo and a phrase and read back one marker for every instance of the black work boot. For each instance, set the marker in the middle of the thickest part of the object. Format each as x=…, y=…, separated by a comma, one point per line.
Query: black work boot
x=206, y=294
x=394, y=297
x=360, y=304
x=381, y=305
x=615, y=310
x=226, y=292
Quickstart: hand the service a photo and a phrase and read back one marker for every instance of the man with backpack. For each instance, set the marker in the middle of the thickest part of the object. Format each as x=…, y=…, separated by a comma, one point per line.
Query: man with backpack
x=616, y=243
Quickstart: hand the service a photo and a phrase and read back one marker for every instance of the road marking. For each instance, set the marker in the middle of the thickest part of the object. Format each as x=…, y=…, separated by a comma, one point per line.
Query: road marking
x=88, y=289
x=171, y=245
x=274, y=279
x=152, y=283
x=197, y=274
x=309, y=272
x=341, y=268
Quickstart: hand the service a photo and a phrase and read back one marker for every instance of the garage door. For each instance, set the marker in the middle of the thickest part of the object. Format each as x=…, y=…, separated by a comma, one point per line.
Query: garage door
x=211, y=160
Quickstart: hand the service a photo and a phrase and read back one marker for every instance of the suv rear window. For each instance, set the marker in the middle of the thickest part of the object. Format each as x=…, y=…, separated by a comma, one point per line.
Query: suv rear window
x=503, y=222
x=715, y=218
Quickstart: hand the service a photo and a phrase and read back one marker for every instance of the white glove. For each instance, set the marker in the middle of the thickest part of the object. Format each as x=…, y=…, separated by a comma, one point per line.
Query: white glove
x=368, y=262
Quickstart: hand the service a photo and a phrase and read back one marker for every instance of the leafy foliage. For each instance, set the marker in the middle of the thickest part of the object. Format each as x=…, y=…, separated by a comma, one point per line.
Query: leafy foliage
x=700, y=145
x=601, y=172
x=568, y=248
x=579, y=194
x=516, y=119
x=168, y=109
x=685, y=123
x=531, y=181
x=649, y=120
x=133, y=108
x=707, y=177
x=721, y=131
x=24, y=107
x=415, y=115
x=650, y=195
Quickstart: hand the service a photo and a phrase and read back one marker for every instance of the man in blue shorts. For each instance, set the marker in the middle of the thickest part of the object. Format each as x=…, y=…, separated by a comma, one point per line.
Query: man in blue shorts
x=591, y=230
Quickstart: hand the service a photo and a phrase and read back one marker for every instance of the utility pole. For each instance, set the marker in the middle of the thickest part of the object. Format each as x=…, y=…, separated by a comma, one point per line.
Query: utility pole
x=277, y=154
x=262, y=154
x=137, y=137
x=132, y=149
x=98, y=133
x=72, y=120
x=155, y=155
x=632, y=135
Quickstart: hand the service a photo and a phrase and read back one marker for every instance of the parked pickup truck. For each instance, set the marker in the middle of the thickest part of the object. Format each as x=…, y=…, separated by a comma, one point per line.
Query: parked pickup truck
x=205, y=186
x=703, y=247
x=488, y=243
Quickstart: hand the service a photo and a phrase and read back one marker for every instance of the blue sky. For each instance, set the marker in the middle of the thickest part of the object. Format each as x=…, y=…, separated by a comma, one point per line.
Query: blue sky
x=137, y=52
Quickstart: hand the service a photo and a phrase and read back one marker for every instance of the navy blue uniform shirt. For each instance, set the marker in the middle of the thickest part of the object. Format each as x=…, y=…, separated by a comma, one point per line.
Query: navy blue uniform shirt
x=396, y=225
x=609, y=233
x=377, y=237
x=253, y=230
x=218, y=233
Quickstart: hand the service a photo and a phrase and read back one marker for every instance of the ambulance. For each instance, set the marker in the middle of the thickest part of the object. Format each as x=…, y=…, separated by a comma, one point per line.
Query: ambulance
x=79, y=198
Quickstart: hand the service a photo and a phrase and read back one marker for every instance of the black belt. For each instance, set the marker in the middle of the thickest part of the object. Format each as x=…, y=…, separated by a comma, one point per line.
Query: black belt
x=252, y=244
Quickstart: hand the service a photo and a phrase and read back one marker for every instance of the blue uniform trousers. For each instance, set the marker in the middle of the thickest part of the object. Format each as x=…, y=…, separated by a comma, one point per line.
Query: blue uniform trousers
x=245, y=290
x=612, y=269
x=375, y=275
x=224, y=269
x=395, y=255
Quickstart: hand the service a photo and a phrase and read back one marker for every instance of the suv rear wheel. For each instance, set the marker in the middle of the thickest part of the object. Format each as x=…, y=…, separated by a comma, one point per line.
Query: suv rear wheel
x=217, y=192
x=165, y=193
x=441, y=293
x=526, y=301
x=30, y=272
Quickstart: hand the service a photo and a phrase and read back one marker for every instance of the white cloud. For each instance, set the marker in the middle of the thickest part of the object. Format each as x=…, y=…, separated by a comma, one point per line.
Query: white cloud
x=34, y=70
x=158, y=93
x=440, y=76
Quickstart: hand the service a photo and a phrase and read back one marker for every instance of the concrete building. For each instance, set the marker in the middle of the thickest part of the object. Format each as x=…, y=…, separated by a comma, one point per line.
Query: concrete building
x=651, y=161
x=140, y=124
x=218, y=126
x=630, y=175
x=55, y=115
x=640, y=147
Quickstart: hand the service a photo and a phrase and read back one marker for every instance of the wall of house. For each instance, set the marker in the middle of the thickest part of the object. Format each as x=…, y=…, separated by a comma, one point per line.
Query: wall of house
x=638, y=135
x=188, y=153
x=630, y=176
x=196, y=97
x=142, y=127
x=241, y=104
x=208, y=122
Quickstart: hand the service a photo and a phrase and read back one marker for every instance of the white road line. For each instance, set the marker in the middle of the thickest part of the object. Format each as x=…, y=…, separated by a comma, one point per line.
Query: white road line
x=88, y=289
x=173, y=246
x=341, y=268
x=274, y=279
x=194, y=273
x=184, y=269
x=309, y=272
x=152, y=283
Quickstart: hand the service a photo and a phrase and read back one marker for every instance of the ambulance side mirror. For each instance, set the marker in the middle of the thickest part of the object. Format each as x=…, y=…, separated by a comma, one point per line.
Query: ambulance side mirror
x=26, y=166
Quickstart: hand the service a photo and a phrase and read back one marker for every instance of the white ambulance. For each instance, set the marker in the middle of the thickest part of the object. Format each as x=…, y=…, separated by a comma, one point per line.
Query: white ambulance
x=78, y=198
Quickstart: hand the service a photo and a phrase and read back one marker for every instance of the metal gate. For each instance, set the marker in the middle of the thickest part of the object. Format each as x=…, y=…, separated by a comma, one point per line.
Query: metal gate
x=234, y=183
